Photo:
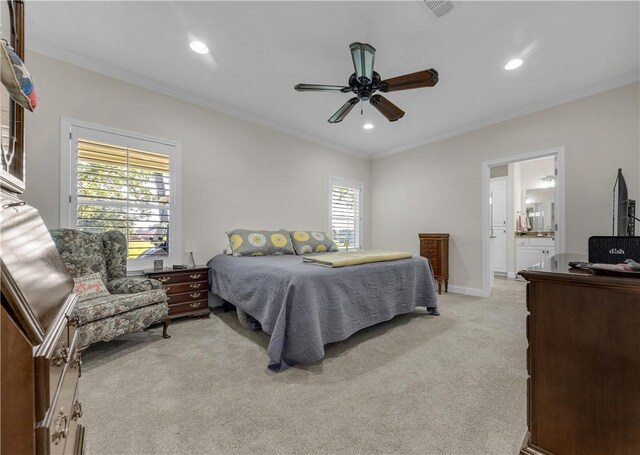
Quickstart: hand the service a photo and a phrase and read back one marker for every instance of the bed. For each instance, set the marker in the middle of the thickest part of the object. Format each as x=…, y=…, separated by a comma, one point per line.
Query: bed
x=305, y=306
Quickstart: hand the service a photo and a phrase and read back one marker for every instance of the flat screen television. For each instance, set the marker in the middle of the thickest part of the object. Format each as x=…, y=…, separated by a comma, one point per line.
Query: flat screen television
x=623, y=208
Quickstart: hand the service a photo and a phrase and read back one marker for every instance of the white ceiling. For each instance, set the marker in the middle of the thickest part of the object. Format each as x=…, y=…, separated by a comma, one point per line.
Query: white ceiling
x=260, y=50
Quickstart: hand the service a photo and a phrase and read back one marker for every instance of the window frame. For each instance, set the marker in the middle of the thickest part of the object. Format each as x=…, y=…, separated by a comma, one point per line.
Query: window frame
x=352, y=184
x=69, y=129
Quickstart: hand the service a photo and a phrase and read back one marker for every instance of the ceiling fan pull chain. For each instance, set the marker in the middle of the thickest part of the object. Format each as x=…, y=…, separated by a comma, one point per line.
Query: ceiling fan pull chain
x=361, y=108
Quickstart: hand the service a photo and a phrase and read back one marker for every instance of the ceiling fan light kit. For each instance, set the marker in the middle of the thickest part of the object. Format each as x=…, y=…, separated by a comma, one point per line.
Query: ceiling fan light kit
x=363, y=56
x=364, y=82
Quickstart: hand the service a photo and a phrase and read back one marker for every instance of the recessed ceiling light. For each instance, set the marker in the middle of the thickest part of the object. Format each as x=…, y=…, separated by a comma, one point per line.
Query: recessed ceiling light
x=199, y=47
x=367, y=126
x=513, y=64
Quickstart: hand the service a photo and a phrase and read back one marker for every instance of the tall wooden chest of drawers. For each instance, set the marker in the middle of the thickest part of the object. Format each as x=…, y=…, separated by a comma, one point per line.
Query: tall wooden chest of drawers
x=435, y=247
x=583, y=362
x=40, y=364
x=187, y=293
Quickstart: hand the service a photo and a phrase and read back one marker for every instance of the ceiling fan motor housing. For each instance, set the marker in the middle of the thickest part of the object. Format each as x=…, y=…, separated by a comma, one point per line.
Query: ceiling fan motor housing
x=364, y=90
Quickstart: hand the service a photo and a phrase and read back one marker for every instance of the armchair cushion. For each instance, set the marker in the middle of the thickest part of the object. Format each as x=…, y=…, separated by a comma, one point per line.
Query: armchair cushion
x=107, y=329
x=114, y=304
x=131, y=285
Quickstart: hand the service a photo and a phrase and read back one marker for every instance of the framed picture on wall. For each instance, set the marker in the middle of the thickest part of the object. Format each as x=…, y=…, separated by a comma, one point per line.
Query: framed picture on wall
x=11, y=113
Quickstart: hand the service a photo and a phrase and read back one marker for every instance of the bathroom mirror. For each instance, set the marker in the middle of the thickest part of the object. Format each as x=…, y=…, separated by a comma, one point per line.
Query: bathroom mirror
x=539, y=206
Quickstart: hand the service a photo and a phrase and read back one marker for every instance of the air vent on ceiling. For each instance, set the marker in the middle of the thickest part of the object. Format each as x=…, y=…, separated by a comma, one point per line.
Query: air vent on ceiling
x=439, y=7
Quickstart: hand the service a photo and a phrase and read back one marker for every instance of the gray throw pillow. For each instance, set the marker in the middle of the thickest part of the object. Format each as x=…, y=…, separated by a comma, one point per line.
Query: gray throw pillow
x=245, y=242
x=306, y=242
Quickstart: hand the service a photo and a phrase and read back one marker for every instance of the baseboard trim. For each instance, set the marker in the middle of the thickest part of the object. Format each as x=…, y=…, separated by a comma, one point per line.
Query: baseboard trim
x=511, y=274
x=474, y=292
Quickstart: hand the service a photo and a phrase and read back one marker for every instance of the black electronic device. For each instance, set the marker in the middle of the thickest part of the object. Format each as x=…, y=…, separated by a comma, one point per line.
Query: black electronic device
x=613, y=249
x=624, y=209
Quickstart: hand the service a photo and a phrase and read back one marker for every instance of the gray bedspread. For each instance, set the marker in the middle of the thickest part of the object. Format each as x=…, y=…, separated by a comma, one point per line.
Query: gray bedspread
x=305, y=306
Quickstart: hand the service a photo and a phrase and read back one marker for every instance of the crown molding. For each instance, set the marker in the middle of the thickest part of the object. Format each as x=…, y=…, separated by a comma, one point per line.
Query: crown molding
x=89, y=63
x=41, y=47
x=493, y=120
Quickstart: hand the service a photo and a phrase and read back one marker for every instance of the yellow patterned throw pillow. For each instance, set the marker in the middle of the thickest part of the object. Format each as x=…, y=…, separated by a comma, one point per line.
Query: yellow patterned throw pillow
x=245, y=242
x=306, y=242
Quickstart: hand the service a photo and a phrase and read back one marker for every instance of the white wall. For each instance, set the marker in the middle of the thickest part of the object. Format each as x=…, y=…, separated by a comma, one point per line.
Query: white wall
x=437, y=187
x=234, y=173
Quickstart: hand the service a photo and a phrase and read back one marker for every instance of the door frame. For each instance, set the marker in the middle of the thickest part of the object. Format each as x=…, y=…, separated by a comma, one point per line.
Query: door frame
x=560, y=236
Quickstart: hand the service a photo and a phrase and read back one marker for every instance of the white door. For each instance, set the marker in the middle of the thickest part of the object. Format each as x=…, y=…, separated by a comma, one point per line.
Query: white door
x=498, y=228
x=499, y=201
x=499, y=243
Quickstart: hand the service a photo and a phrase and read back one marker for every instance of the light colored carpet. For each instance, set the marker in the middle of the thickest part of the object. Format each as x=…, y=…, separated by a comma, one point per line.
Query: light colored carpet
x=454, y=384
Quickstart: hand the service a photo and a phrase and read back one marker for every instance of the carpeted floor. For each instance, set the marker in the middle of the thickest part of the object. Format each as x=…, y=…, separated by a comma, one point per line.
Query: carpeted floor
x=454, y=384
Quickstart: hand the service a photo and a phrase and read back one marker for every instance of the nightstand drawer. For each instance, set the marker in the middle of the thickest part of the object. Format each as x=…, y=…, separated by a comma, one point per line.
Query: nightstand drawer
x=186, y=297
x=187, y=307
x=185, y=287
x=180, y=277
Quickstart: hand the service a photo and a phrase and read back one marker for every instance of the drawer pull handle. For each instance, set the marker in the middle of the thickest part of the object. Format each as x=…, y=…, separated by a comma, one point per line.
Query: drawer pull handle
x=77, y=363
x=163, y=279
x=61, y=431
x=195, y=276
x=61, y=355
x=195, y=295
x=194, y=304
x=195, y=285
x=77, y=410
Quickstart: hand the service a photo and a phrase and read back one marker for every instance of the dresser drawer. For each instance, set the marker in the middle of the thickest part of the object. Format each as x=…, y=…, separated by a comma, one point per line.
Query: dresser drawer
x=434, y=260
x=429, y=253
x=187, y=297
x=185, y=287
x=187, y=307
x=53, y=431
x=181, y=277
x=50, y=365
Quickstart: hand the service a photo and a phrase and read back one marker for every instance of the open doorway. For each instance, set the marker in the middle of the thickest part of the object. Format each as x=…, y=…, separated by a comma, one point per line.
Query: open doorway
x=523, y=213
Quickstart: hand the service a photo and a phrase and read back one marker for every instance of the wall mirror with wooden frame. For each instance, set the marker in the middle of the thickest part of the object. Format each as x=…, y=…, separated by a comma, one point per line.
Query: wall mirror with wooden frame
x=11, y=114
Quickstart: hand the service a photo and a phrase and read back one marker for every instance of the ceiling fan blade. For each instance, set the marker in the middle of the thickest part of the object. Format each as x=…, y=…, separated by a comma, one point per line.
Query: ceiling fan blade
x=321, y=88
x=426, y=78
x=363, y=56
x=343, y=111
x=386, y=108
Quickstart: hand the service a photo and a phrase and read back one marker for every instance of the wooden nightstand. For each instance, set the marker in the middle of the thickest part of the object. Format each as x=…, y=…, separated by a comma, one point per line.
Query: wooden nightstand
x=435, y=247
x=186, y=290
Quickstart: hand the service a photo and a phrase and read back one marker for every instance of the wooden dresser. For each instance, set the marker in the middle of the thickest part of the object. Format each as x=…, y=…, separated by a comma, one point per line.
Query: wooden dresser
x=583, y=362
x=187, y=292
x=41, y=409
x=435, y=247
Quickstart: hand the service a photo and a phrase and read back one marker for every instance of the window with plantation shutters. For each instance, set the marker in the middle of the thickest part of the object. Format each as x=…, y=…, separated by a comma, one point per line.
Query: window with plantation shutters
x=346, y=213
x=125, y=183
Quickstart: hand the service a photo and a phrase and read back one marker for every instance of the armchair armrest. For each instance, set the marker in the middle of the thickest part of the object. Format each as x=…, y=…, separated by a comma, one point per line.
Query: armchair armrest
x=132, y=285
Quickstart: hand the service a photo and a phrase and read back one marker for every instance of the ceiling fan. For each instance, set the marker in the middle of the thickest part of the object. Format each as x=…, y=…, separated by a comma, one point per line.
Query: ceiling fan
x=365, y=82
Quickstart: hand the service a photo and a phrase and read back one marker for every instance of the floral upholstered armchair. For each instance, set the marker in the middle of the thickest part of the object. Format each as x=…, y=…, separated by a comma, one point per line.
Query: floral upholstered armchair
x=134, y=303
